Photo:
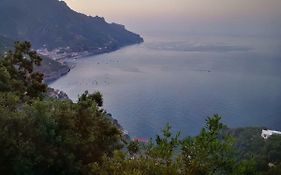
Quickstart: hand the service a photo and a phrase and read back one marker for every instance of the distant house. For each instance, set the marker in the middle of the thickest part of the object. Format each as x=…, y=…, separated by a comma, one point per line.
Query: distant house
x=267, y=133
x=140, y=139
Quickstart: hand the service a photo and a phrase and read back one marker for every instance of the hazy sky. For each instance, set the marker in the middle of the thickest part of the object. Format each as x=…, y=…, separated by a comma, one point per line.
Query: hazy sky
x=217, y=16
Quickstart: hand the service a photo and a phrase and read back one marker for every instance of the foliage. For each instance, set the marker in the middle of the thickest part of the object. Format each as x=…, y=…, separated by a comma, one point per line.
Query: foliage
x=17, y=73
x=45, y=136
x=207, y=153
x=63, y=135
x=133, y=147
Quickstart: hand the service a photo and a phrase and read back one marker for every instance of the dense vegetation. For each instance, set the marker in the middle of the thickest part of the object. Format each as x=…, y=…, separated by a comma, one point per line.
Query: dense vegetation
x=51, y=23
x=42, y=136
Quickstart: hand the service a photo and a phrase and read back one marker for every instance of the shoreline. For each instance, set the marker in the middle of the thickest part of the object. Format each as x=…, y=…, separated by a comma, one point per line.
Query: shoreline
x=68, y=59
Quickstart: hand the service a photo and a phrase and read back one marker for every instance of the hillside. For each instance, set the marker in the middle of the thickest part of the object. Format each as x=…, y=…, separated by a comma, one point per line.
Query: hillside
x=52, y=24
x=264, y=154
x=51, y=69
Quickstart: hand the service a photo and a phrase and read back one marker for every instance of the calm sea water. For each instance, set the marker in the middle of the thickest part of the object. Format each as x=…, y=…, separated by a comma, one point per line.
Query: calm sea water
x=182, y=80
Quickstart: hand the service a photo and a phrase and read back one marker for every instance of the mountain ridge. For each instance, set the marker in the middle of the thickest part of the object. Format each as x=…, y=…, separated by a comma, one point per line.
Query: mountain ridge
x=52, y=24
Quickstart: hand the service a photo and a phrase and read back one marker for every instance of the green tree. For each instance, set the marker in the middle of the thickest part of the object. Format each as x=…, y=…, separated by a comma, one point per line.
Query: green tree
x=47, y=136
x=133, y=147
x=207, y=153
x=17, y=75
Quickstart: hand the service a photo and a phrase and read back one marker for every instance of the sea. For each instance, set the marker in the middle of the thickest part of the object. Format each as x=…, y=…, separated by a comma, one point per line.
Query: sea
x=182, y=80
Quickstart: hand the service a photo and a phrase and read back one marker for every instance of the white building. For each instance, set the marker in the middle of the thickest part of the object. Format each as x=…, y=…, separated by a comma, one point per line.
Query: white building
x=267, y=133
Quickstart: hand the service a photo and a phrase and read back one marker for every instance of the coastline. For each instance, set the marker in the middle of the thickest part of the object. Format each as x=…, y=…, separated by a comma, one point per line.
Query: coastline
x=68, y=58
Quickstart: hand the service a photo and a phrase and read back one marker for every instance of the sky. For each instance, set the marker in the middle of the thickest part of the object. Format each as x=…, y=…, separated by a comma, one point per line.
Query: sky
x=253, y=17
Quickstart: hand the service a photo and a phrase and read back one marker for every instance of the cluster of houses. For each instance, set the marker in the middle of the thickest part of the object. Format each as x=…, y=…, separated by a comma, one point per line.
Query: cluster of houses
x=266, y=133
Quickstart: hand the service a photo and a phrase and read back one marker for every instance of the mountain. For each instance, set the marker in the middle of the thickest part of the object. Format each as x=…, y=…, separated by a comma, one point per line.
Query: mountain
x=52, y=24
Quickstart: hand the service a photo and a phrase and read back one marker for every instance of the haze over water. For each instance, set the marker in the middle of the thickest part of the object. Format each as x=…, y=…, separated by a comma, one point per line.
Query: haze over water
x=183, y=79
x=219, y=17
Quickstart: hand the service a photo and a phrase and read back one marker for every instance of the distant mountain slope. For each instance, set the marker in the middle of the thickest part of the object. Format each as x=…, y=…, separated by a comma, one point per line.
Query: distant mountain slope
x=250, y=145
x=51, y=23
x=52, y=69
